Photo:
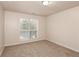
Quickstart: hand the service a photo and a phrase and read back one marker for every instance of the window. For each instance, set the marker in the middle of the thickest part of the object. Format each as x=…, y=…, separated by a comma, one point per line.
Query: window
x=28, y=29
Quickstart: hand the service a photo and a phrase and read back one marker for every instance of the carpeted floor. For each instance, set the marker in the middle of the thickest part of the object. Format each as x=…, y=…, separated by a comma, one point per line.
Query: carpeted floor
x=42, y=48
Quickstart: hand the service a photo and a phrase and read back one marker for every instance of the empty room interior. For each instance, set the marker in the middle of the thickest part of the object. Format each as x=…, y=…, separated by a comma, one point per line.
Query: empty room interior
x=39, y=28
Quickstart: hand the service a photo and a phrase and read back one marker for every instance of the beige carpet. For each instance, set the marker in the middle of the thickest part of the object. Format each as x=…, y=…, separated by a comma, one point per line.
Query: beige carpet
x=38, y=49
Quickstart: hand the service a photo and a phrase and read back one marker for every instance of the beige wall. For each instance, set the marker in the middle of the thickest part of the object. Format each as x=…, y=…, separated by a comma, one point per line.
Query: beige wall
x=63, y=28
x=1, y=30
x=12, y=34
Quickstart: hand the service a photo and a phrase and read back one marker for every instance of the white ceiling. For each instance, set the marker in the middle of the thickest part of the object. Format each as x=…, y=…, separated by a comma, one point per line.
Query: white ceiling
x=37, y=8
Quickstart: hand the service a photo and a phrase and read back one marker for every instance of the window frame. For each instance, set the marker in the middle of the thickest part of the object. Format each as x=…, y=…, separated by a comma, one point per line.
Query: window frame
x=37, y=27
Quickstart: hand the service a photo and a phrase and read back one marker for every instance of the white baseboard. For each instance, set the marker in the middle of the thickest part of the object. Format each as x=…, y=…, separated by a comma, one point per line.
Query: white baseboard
x=65, y=46
x=1, y=50
x=22, y=42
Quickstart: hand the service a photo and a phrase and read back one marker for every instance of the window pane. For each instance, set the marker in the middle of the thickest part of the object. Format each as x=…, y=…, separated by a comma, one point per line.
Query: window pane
x=25, y=34
x=25, y=25
x=33, y=25
x=33, y=34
